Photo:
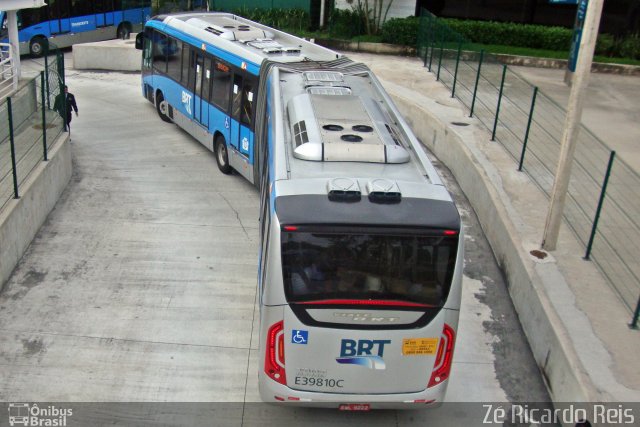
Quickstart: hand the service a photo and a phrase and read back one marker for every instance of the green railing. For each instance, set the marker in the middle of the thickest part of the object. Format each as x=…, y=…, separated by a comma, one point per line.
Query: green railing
x=29, y=125
x=529, y=125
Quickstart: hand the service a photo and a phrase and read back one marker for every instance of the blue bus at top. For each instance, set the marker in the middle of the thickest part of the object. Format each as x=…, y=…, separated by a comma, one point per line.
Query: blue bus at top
x=67, y=22
x=200, y=70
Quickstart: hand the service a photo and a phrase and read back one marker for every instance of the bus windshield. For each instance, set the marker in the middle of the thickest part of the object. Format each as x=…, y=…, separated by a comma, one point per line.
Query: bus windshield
x=402, y=267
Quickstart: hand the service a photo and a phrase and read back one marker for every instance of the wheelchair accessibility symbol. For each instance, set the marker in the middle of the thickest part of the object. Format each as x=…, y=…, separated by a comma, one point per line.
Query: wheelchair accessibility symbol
x=299, y=336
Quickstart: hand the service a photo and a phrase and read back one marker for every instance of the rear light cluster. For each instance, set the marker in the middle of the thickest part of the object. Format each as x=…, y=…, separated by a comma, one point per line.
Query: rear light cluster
x=444, y=357
x=274, y=357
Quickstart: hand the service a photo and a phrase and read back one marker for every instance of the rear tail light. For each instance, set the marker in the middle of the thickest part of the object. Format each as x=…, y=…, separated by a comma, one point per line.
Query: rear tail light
x=444, y=357
x=274, y=357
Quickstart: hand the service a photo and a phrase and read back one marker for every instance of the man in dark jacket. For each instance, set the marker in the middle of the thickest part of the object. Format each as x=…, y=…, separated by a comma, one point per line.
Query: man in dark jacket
x=61, y=108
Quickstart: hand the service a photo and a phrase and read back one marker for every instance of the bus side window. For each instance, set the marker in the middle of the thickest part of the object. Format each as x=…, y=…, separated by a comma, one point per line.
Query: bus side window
x=28, y=17
x=174, y=66
x=184, y=77
x=220, y=85
x=160, y=52
x=208, y=75
x=191, y=83
x=64, y=8
x=248, y=96
x=237, y=96
x=81, y=8
x=147, y=53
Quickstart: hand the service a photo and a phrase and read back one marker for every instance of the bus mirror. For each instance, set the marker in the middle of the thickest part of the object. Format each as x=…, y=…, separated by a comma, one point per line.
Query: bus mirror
x=139, y=41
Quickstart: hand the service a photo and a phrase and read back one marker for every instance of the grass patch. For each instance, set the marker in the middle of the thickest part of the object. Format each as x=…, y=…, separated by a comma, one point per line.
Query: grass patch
x=544, y=53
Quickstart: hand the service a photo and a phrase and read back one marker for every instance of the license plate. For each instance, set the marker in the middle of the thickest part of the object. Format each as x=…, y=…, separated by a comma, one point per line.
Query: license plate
x=355, y=407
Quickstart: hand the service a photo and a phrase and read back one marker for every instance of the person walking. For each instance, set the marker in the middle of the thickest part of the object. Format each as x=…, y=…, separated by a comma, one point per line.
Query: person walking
x=63, y=109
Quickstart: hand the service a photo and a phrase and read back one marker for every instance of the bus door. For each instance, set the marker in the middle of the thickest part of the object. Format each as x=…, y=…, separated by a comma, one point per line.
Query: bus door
x=59, y=16
x=244, y=93
x=201, y=92
x=104, y=12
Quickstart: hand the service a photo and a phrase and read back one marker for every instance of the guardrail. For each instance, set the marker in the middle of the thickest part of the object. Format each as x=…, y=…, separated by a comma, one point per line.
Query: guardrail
x=29, y=125
x=603, y=201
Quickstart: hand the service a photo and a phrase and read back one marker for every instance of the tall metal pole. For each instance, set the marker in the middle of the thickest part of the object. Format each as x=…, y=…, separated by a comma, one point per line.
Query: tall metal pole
x=475, y=87
x=526, y=134
x=603, y=192
x=12, y=26
x=495, y=122
x=571, y=124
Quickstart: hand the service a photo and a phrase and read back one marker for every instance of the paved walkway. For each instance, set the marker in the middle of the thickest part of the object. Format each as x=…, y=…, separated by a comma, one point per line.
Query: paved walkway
x=589, y=320
x=611, y=110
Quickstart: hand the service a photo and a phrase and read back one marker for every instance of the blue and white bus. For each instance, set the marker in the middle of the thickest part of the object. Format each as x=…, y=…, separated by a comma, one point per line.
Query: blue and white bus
x=66, y=22
x=361, y=245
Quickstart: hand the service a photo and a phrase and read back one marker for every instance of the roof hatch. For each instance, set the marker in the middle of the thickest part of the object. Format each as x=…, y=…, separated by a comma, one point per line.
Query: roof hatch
x=341, y=128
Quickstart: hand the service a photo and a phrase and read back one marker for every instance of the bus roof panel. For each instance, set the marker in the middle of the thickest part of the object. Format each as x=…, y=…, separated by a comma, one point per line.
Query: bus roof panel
x=339, y=118
x=247, y=39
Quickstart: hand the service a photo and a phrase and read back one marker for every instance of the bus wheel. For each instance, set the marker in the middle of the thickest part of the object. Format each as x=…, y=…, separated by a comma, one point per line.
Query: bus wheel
x=38, y=46
x=162, y=107
x=222, y=155
x=123, y=31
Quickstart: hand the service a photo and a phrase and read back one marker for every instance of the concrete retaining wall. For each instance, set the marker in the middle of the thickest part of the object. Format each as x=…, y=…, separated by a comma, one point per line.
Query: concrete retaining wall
x=21, y=219
x=114, y=55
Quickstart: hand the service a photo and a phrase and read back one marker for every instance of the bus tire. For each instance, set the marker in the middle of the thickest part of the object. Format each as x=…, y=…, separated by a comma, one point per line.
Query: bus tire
x=162, y=107
x=38, y=46
x=124, y=31
x=222, y=155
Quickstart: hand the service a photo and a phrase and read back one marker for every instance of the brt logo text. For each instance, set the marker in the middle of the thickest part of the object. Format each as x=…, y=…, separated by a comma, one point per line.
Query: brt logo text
x=367, y=353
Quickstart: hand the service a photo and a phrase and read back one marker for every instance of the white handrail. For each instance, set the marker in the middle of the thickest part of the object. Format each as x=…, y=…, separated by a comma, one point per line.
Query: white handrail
x=8, y=74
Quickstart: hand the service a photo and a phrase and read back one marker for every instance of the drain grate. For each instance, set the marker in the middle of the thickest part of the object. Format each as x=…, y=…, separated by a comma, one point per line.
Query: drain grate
x=39, y=126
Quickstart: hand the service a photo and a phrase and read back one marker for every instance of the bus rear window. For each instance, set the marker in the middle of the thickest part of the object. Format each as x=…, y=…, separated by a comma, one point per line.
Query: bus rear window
x=368, y=266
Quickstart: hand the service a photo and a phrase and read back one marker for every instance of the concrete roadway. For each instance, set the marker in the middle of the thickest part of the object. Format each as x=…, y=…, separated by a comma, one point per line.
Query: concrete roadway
x=141, y=285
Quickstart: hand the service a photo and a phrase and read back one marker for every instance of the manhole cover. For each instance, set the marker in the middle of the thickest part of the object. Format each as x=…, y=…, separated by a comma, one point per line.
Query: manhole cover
x=460, y=124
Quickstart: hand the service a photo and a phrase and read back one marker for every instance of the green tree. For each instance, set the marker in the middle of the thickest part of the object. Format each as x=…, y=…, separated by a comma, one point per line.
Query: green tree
x=372, y=11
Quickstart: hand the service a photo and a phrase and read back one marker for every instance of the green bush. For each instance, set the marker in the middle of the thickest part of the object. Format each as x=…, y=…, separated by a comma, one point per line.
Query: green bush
x=511, y=34
x=605, y=45
x=403, y=31
x=629, y=47
x=292, y=19
x=346, y=24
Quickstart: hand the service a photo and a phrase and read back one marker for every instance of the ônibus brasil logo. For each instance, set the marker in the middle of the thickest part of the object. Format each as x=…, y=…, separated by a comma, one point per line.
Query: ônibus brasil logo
x=367, y=353
x=26, y=414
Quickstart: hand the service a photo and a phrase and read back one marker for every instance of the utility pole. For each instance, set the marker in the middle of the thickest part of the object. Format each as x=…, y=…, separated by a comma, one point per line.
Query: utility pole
x=571, y=124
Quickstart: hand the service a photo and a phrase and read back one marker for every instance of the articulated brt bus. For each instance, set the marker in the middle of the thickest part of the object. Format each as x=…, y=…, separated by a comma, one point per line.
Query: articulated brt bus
x=66, y=22
x=361, y=245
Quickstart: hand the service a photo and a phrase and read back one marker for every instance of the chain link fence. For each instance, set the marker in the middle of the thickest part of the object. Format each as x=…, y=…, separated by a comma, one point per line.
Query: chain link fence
x=30, y=125
x=603, y=201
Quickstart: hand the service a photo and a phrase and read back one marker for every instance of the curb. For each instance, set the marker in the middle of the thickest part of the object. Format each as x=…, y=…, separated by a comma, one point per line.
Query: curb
x=526, y=61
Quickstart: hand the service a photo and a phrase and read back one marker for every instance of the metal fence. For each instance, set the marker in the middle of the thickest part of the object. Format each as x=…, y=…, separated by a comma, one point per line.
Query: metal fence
x=29, y=125
x=603, y=202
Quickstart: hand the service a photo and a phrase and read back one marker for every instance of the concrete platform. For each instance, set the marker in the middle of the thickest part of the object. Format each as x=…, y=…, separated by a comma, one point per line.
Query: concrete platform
x=114, y=55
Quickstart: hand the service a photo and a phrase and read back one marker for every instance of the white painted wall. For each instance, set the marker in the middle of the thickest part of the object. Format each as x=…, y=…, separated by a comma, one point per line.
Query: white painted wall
x=399, y=8
x=20, y=4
